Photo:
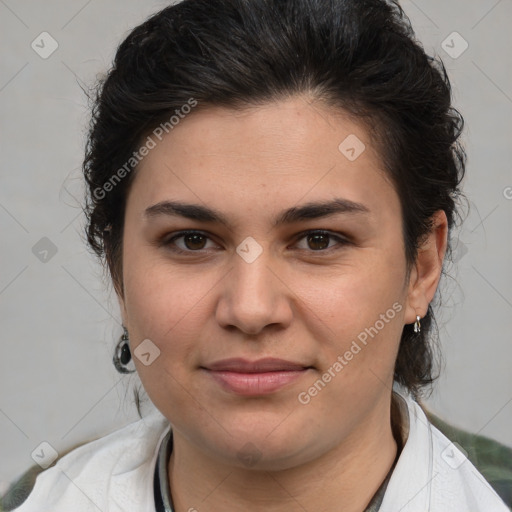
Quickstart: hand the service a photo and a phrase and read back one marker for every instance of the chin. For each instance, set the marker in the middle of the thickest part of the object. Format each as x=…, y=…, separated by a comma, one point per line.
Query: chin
x=263, y=446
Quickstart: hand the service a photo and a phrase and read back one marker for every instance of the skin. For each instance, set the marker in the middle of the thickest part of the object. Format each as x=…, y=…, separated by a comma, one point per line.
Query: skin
x=292, y=302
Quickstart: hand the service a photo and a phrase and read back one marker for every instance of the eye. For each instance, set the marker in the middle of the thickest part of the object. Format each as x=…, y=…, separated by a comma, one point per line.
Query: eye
x=319, y=240
x=193, y=241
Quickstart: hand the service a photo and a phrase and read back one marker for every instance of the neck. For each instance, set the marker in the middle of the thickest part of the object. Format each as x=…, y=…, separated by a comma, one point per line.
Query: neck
x=345, y=478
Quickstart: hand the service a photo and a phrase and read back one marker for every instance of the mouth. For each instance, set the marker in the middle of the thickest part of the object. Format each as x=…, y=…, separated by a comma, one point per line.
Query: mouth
x=255, y=378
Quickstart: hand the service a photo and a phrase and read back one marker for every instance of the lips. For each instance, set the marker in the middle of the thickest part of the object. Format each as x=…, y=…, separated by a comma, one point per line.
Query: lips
x=255, y=378
x=260, y=366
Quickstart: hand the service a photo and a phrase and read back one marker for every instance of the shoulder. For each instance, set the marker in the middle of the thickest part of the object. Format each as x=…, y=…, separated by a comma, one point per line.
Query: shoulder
x=432, y=473
x=20, y=489
x=492, y=459
x=115, y=470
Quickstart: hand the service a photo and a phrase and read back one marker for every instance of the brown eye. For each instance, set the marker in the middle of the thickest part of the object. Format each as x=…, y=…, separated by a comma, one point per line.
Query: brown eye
x=318, y=241
x=321, y=241
x=188, y=242
x=194, y=241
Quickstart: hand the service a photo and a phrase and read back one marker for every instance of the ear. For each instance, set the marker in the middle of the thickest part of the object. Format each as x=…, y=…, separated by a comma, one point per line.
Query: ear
x=426, y=271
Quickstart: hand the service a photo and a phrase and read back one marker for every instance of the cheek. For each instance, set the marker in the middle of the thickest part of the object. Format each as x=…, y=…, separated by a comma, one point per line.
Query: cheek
x=161, y=301
x=353, y=296
x=167, y=308
x=356, y=313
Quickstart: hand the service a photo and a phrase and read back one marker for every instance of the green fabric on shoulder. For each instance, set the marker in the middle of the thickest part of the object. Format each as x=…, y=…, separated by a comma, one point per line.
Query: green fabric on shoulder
x=18, y=491
x=491, y=458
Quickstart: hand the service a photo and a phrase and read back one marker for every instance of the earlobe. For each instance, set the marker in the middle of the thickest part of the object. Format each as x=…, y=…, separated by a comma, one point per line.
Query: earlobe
x=426, y=272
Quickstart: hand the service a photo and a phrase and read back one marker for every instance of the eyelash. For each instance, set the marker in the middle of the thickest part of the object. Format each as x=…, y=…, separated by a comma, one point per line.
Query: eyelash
x=341, y=241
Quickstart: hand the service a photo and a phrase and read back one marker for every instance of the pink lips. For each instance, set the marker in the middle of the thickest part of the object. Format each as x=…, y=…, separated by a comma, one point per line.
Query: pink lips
x=252, y=378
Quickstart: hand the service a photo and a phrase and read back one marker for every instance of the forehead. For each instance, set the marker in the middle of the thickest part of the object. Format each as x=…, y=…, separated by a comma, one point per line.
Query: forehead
x=280, y=153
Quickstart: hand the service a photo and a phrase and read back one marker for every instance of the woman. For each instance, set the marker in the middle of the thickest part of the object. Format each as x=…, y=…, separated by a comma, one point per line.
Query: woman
x=272, y=185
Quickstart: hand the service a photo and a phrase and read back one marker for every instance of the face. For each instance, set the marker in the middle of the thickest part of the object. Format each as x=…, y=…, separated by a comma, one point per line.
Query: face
x=271, y=329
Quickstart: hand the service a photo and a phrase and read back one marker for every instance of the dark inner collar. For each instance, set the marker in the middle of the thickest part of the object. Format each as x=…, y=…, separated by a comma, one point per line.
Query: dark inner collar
x=163, y=500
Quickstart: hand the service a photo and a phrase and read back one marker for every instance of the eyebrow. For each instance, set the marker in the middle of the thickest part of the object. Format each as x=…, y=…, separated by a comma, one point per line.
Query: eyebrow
x=312, y=210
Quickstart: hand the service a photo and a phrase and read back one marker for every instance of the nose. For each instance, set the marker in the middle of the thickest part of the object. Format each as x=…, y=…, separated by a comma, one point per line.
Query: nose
x=254, y=296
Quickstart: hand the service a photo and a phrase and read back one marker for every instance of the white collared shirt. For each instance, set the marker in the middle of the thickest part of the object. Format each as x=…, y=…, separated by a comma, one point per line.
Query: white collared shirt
x=432, y=474
x=115, y=473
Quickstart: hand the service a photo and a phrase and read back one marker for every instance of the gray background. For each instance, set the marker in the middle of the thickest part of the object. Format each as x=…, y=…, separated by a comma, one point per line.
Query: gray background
x=59, y=319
